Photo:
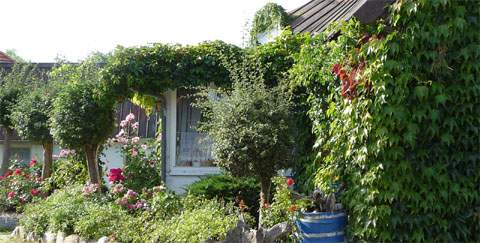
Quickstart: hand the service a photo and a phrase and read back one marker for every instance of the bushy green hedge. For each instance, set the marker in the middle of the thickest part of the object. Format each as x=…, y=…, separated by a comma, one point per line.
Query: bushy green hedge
x=165, y=217
x=228, y=188
x=397, y=120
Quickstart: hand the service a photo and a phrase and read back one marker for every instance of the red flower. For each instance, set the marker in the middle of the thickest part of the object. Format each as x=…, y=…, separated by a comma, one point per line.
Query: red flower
x=32, y=163
x=266, y=205
x=10, y=195
x=8, y=173
x=116, y=175
x=290, y=182
x=336, y=68
x=343, y=75
x=18, y=171
x=34, y=192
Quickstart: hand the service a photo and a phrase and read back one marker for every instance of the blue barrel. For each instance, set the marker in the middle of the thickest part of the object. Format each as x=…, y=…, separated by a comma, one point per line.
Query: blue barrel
x=322, y=227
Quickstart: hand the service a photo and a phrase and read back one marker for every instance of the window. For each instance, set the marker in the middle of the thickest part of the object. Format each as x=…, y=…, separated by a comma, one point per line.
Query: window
x=193, y=148
x=21, y=154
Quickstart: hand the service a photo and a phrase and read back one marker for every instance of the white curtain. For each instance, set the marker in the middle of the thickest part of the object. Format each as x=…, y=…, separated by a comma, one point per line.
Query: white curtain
x=194, y=149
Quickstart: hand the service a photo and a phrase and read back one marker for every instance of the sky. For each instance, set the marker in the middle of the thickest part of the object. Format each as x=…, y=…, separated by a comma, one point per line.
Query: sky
x=40, y=31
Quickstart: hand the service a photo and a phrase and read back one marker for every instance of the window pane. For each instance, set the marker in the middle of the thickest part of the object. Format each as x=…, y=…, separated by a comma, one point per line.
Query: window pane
x=20, y=154
x=194, y=149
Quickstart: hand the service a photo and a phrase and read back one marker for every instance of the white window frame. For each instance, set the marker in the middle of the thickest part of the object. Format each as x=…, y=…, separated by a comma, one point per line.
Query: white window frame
x=171, y=136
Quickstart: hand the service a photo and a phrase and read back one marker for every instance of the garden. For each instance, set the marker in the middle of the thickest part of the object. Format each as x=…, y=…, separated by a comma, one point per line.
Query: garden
x=379, y=124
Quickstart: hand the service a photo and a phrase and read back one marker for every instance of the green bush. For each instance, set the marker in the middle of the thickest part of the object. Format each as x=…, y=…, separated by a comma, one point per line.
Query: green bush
x=228, y=188
x=105, y=219
x=201, y=220
x=68, y=170
x=57, y=212
x=397, y=121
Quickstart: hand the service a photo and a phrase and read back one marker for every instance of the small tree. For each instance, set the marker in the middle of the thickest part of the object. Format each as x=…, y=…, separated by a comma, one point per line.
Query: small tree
x=83, y=115
x=251, y=127
x=30, y=118
x=12, y=85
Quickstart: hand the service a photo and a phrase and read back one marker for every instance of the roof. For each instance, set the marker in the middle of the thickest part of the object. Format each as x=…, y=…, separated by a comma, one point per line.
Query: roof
x=316, y=15
x=4, y=58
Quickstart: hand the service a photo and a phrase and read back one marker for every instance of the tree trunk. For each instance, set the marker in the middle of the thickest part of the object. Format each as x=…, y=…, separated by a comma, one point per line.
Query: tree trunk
x=265, y=184
x=47, y=159
x=8, y=133
x=92, y=164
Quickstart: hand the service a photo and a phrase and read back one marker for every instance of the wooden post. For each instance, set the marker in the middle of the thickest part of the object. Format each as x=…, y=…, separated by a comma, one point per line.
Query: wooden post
x=47, y=159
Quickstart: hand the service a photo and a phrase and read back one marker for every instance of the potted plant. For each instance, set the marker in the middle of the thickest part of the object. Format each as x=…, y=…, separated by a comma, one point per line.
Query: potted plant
x=323, y=221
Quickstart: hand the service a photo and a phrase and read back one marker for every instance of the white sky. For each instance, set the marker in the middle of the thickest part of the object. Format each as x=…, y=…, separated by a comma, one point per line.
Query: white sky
x=39, y=31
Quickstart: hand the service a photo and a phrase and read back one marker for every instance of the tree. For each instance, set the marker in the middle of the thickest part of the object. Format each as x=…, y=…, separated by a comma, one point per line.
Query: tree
x=250, y=126
x=12, y=53
x=30, y=118
x=12, y=85
x=83, y=114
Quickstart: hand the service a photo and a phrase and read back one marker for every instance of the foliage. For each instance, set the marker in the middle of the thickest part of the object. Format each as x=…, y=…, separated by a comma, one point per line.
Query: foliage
x=404, y=137
x=103, y=220
x=69, y=169
x=152, y=70
x=12, y=85
x=82, y=114
x=142, y=165
x=20, y=185
x=58, y=212
x=230, y=189
x=208, y=219
x=285, y=205
x=30, y=116
x=270, y=17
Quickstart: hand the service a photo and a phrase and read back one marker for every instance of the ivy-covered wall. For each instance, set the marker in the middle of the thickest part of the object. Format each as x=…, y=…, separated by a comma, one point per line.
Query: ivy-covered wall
x=396, y=110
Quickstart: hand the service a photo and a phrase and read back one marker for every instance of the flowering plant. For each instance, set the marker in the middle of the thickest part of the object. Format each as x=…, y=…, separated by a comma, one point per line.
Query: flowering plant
x=20, y=185
x=142, y=164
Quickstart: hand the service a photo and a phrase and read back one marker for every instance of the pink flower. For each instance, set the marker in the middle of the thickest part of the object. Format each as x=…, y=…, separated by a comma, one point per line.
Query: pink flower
x=135, y=139
x=8, y=173
x=120, y=133
x=65, y=153
x=134, y=152
x=10, y=195
x=123, y=123
x=118, y=188
x=34, y=192
x=131, y=206
x=18, y=171
x=116, y=175
x=131, y=194
x=135, y=125
x=290, y=182
x=122, y=201
x=144, y=147
x=130, y=117
x=139, y=204
x=122, y=140
x=32, y=163
x=89, y=189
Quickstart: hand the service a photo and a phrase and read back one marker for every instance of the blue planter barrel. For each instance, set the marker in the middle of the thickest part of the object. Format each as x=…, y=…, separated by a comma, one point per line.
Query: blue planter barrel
x=322, y=227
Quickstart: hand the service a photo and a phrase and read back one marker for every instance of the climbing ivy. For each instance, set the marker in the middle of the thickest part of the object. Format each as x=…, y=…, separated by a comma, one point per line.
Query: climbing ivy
x=271, y=16
x=151, y=70
x=402, y=130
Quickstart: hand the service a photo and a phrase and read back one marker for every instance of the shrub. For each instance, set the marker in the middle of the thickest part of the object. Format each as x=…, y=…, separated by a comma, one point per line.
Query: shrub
x=228, y=188
x=69, y=169
x=250, y=126
x=103, y=220
x=20, y=185
x=142, y=165
x=200, y=221
x=57, y=212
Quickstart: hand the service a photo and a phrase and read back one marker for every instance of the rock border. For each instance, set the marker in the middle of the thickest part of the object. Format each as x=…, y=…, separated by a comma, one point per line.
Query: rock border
x=50, y=237
x=9, y=220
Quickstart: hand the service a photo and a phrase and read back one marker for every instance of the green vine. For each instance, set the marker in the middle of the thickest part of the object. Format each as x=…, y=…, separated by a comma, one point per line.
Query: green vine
x=395, y=109
x=271, y=16
x=147, y=71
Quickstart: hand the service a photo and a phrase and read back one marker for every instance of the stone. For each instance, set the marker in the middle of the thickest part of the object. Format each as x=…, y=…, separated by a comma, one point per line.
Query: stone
x=60, y=237
x=72, y=239
x=103, y=240
x=50, y=237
